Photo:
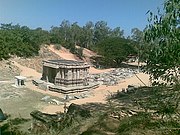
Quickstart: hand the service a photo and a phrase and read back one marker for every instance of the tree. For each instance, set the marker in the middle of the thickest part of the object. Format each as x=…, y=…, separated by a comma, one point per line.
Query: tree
x=76, y=31
x=20, y=40
x=114, y=51
x=163, y=37
x=65, y=29
x=88, y=31
x=56, y=36
x=137, y=36
x=117, y=32
x=101, y=31
x=42, y=35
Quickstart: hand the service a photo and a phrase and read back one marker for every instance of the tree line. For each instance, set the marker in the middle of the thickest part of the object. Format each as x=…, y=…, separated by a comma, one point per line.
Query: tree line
x=85, y=36
x=21, y=40
x=25, y=42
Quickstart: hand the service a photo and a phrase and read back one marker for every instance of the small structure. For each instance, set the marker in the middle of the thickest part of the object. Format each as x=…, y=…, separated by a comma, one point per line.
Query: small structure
x=65, y=72
x=65, y=76
x=19, y=81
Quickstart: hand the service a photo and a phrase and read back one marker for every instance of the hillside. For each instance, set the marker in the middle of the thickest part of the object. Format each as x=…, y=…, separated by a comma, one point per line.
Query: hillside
x=36, y=62
x=66, y=54
x=49, y=52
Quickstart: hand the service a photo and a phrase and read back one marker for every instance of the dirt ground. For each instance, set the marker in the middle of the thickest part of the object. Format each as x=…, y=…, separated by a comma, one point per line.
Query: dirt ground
x=19, y=102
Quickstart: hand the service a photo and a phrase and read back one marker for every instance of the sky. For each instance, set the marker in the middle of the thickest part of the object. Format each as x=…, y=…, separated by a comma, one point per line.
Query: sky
x=126, y=14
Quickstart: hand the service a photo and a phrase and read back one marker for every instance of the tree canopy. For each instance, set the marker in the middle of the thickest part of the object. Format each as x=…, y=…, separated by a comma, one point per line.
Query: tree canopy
x=114, y=51
x=20, y=40
x=163, y=38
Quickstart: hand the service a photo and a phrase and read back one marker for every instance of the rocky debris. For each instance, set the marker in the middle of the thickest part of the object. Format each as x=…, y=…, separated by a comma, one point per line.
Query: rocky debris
x=78, y=110
x=10, y=95
x=46, y=98
x=122, y=113
x=113, y=77
x=131, y=88
x=50, y=100
x=77, y=96
x=9, y=92
x=57, y=102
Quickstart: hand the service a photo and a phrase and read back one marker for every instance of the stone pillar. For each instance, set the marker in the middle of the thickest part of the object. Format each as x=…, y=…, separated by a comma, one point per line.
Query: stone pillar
x=47, y=79
x=84, y=73
x=65, y=74
x=78, y=74
x=62, y=73
x=70, y=74
x=19, y=82
x=59, y=73
x=74, y=74
x=16, y=82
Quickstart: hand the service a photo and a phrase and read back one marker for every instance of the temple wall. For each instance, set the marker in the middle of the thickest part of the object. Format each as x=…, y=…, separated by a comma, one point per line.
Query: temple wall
x=71, y=77
x=65, y=75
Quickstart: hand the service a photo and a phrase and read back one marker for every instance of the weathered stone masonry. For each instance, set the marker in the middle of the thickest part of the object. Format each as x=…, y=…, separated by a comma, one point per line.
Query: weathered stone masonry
x=65, y=72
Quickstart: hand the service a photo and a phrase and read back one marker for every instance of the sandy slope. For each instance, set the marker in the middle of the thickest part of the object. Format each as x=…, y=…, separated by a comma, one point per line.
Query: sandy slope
x=88, y=53
x=63, y=53
x=27, y=72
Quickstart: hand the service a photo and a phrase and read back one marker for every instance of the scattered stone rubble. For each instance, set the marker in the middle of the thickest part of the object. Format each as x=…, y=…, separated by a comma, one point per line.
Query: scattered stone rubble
x=54, y=101
x=113, y=77
x=66, y=98
x=130, y=89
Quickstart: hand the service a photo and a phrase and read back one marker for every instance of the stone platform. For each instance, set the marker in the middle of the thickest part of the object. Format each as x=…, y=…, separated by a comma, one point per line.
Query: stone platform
x=63, y=89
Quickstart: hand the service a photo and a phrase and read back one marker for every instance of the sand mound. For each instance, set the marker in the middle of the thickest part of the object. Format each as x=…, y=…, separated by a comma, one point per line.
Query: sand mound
x=63, y=53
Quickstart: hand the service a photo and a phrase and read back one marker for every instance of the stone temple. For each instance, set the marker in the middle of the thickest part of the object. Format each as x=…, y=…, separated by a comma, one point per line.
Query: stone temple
x=67, y=76
x=65, y=72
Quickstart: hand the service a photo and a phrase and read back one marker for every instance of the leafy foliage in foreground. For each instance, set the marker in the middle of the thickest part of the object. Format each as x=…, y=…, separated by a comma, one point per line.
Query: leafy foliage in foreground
x=163, y=38
x=144, y=123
